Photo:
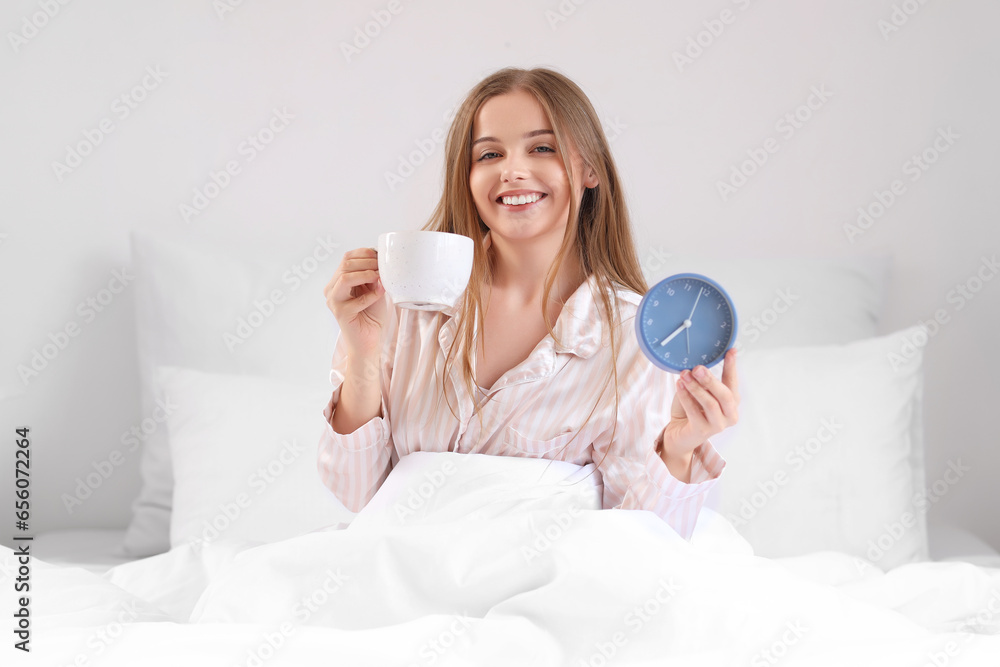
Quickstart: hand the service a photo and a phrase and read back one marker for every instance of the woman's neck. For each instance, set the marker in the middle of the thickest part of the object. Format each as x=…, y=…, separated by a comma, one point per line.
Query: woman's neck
x=521, y=269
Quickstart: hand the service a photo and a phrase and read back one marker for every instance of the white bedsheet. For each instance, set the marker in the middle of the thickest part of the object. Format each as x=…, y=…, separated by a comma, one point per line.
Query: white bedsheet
x=494, y=567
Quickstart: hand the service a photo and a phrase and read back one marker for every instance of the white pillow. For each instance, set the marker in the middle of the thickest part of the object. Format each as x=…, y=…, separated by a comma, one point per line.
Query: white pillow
x=189, y=295
x=828, y=450
x=244, y=458
x=802, y=301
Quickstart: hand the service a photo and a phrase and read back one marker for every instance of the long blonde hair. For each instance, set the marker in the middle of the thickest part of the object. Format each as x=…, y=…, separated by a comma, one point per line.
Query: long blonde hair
x=598, y=231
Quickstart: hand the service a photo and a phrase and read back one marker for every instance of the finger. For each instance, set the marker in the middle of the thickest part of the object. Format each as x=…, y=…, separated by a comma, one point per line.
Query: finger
x=347, y=293
x=692, y=409
x=725, y=398
x=356, y=305
x=359, y=264
x=729, y=377
x=708, y=402
x=693, y=389
x=676, y=406
x=360, y=253
x=350, y=265
x=346, y=288
x=354, y=279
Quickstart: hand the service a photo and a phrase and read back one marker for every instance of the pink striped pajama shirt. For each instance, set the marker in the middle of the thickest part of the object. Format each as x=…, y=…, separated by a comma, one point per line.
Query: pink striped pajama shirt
x=532, y=410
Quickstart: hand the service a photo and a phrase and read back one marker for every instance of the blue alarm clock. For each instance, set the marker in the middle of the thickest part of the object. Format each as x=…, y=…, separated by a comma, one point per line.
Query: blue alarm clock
x=685, y=320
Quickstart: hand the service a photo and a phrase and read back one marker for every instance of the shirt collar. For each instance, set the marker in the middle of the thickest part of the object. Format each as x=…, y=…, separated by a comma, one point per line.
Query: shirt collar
x=579, y=327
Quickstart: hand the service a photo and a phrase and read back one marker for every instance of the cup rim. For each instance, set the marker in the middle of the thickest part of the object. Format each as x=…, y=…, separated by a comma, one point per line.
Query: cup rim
x=424, y=232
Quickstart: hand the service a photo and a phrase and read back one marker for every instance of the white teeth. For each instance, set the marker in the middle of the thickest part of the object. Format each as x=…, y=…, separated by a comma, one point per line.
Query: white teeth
x=518, y=200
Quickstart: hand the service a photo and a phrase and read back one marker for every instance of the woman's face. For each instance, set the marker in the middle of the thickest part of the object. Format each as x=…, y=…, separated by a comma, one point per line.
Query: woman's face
x=515, y=160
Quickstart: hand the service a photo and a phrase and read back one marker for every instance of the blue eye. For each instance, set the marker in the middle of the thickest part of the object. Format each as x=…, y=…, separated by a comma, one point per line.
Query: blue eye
x=489, y=155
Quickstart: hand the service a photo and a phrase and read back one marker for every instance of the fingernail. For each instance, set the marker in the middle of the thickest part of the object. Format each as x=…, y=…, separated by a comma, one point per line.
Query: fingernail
x=701, y=372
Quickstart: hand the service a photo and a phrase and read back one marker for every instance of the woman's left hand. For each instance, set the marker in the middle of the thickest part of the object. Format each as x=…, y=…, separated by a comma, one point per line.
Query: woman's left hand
x=702, y=407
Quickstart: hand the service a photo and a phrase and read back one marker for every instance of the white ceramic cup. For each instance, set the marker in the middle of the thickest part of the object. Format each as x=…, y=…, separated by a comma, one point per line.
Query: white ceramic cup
x=424, y=270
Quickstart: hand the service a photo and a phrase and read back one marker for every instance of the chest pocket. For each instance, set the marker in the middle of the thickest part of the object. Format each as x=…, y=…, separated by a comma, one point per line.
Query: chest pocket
x=525, y=446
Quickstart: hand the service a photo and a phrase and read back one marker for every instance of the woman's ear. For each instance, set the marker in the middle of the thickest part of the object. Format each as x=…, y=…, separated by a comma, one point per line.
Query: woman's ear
x=590, y=180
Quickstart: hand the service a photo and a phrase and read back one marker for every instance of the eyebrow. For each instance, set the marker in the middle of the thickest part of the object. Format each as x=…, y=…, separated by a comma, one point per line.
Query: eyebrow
x=533, y=133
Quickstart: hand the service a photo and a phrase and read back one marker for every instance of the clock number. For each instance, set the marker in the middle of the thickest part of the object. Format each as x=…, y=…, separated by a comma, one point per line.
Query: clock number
x=656, y=303
x=670, y=291
x=687, y=287
x=649, y=321
x=685, y=360
x=724, y=325
x=718, y=343
x=718, y=305
x=704, y=356
x=666, y=356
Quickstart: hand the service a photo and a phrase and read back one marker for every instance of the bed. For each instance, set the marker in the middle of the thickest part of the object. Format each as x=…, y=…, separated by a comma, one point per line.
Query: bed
x=97, y=550
x=236, y=554
x=472, y=559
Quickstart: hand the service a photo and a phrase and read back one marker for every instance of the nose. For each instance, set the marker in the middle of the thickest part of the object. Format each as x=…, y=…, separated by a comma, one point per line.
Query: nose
x=513, y=168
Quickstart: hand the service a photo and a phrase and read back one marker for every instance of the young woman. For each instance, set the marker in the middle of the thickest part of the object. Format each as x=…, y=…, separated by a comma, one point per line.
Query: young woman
x=539, y=357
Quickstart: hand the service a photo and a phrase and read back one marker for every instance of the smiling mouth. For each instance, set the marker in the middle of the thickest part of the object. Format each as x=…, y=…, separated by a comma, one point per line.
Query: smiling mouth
x=520, y=200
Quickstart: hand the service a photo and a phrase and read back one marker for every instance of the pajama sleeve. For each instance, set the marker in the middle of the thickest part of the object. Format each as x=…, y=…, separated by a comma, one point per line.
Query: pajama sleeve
x=354, y=465
x=635, y=477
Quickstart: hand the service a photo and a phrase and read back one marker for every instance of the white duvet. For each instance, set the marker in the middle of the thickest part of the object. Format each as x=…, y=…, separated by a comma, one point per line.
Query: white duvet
x=465, y=559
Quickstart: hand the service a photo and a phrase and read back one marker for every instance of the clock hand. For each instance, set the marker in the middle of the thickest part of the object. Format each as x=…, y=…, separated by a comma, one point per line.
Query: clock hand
x=700, y=289
x=682, y=327
x=687, y=322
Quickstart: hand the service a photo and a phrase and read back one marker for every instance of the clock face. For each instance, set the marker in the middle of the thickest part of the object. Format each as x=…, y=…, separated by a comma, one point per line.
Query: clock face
x=685, y=320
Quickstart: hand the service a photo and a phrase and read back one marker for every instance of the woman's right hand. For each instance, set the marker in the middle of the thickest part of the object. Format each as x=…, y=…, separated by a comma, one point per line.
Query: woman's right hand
x=355, y=296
